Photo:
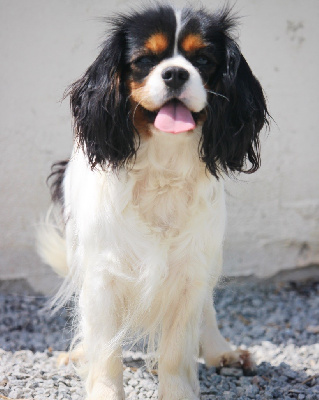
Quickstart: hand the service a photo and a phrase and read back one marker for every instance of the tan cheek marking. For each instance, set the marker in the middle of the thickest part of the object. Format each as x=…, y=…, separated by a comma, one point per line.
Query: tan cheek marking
x=141, y=124
x=140, y=95
x=201, y=118
x=192, y=43
x=135, y=86
x=136, y=98
x=138, y=92
x=157, y=43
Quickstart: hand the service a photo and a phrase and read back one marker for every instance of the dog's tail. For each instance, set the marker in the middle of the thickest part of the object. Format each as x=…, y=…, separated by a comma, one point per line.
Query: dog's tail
x=51, y=245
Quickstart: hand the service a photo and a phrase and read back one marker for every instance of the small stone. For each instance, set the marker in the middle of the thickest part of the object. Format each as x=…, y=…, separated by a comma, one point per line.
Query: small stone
x=291, y=374
x=251, y=391
x=227, y=371
x=229, y=395
x=276, y=394
x=149, y=394
x=14, y=394
x=295, y=391
x=133, y=382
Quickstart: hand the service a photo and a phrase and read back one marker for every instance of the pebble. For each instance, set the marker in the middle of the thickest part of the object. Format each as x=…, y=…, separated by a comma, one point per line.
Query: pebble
x=231, y=371
x=270, y=319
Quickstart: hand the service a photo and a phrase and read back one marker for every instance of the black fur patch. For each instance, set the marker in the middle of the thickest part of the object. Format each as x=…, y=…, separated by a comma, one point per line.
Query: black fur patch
x=236, y=109
x=55, y=181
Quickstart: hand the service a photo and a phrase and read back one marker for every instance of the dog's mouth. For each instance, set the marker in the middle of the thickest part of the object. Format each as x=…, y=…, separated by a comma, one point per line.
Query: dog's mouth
x=173, y=117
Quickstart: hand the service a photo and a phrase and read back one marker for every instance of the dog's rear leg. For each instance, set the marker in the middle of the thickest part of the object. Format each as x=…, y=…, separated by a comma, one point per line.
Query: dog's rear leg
x=100, y=322
x=215, y=349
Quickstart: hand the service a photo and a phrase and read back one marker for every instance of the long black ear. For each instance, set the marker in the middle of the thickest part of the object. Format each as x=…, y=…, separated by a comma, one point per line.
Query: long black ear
x=100, y=108
x=236, y=113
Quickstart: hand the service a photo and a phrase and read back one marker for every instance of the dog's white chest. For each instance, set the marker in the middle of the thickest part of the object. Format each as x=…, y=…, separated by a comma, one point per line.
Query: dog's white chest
x=164, y=201
x=168, y=188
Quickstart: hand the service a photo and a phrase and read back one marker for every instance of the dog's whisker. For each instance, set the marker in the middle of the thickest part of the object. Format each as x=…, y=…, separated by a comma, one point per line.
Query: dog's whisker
x=218, y=94
x=131, y=94
x=137, y=105
x=134, y=112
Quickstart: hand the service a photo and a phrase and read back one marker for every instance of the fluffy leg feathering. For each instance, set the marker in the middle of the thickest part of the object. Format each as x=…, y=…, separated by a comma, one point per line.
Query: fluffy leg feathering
x=168, y=105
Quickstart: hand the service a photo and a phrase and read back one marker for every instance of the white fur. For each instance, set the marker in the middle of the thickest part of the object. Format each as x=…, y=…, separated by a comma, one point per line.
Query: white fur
x=154, y=92
x=51, y=244
x=144, y=248
x=143, y=253
x=178, y=17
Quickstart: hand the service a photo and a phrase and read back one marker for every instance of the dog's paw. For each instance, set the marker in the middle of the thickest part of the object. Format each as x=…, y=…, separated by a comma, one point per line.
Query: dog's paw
x=106, y=396
x=74, y=356
x=100, y=391
x=189, y=397
x=63, y=359
x=238, y=358
x=175, y=388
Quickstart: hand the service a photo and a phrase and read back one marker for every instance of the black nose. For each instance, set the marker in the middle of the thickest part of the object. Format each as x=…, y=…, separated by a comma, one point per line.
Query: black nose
x=175, y=77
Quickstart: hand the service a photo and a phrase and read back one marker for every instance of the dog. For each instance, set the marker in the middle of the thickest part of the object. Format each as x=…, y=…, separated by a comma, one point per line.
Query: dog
x=167, y=109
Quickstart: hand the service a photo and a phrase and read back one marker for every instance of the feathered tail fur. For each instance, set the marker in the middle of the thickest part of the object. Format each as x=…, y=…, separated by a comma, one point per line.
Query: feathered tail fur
x=51, y=245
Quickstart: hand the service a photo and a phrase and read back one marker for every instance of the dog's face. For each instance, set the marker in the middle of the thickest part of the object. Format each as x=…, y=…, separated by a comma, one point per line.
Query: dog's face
x=170, y=64
x=163, y=70
x=169, y=67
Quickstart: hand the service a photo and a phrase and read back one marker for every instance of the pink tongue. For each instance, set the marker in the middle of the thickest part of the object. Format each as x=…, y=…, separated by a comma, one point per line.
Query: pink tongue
x=174, y=117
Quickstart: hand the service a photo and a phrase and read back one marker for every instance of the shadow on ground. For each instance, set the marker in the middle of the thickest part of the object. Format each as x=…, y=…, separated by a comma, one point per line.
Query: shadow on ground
x=277, y=321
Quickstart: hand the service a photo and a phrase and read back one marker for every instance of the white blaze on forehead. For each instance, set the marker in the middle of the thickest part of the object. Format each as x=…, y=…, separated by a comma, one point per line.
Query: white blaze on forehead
x=178, y=16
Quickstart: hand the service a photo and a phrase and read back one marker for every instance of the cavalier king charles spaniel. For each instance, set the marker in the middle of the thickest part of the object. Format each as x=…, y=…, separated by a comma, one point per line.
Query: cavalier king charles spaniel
x=168, y=107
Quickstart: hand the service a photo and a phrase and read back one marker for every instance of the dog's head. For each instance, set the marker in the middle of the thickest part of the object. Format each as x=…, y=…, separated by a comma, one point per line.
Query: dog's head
x=163, y=71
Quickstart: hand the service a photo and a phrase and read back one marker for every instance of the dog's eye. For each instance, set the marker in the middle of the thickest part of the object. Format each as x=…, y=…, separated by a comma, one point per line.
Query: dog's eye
x=201, y=61
x=145, y=61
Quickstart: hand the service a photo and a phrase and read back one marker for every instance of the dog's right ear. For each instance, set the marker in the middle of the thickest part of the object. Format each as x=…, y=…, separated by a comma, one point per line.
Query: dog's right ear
x=102, y=122
x=231, y=134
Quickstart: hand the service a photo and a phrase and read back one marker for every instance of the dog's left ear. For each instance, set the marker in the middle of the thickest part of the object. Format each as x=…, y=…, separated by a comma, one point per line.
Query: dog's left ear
x=236, y=114
x=102, y=122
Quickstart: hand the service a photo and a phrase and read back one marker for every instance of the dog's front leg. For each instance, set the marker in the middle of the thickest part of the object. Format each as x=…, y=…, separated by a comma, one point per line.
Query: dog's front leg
x=100, y=321
x=178, y=350
x=215, y=350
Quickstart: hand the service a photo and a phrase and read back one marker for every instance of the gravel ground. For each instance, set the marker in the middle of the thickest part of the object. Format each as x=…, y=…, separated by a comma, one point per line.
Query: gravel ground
x=278, y=322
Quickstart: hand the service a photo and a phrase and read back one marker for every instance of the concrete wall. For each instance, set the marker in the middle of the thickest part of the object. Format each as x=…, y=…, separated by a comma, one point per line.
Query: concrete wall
x=273, y=219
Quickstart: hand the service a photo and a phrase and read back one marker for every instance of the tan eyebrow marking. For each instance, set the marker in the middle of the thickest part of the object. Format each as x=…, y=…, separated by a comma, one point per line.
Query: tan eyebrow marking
x=157, y=43
x=193, y=42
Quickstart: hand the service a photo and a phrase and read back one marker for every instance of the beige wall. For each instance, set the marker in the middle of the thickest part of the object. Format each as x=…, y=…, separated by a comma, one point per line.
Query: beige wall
x=273, y=219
